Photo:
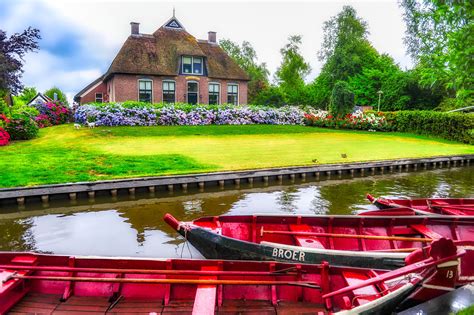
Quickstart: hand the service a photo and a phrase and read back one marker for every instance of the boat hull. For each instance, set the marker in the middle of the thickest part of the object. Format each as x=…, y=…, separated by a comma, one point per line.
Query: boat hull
x=215, y=246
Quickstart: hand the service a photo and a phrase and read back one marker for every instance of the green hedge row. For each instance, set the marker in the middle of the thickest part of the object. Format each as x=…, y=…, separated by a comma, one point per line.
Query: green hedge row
x=451, y=126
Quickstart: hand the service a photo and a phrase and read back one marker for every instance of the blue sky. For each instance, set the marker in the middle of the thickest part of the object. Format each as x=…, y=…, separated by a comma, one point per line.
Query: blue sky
x=81, y=38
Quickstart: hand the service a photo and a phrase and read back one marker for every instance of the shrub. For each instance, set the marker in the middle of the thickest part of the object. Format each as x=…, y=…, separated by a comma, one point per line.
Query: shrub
x=51, y=113
x=342, y=99
x=451, y=126
x=357, y=120
x=144, y=114
x=4, y=137
x=22, y=127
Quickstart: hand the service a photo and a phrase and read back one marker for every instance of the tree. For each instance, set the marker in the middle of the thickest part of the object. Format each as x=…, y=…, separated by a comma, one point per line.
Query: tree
x=342, y=99
x=60, y=95
x=345, y=52
x=12, y=51
x=439, y=38
x=246, y=57
x=292, y=71
x=26, y=95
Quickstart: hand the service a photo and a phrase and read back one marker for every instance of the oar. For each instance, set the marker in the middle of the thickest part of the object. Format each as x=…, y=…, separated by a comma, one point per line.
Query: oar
x=153, y=271
x=167, y=281
x=401, y=250
x=370, y=237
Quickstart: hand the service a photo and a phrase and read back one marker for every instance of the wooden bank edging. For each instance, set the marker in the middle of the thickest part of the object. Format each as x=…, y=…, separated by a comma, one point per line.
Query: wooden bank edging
x=221, y=178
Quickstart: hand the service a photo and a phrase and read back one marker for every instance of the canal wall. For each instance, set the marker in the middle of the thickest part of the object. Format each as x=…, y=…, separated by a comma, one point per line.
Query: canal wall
x=89, y=190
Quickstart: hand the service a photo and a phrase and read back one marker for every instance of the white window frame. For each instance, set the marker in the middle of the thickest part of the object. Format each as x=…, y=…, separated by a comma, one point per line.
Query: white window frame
x=138, y=88
x=101, y=97
x=163, y=90
x=187, y=91
x=220, y=93
x=238, y=92
x=192, y=65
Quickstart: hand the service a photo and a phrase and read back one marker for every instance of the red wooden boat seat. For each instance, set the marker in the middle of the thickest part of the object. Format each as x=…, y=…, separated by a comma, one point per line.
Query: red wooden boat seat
x=362, y=295
x=426, y=231
x=305, y=241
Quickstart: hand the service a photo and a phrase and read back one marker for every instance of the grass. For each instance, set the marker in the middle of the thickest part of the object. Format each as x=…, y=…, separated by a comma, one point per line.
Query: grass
x=63, y=154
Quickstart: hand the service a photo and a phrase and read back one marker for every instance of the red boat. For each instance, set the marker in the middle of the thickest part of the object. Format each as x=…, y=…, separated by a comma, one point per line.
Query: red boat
x=38, y=284
x=378, y=242
x=447, y=206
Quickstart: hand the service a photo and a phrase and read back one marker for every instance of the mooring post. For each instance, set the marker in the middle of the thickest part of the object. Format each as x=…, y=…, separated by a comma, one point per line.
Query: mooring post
x=280, y=178
x=250, y=181
x=20, y=201
x=382, y=169
x=407, y=167
x=91, y=194
x=151, y=189
x=303, y=177
x=362, y=172
x=184, y=187
x=352, y=172
x=292, y=178
x=201, y=186
x=72, y=196
x=328, y=174
x=372, y=170
x=221, y=184
x=237, y=182
x=317, y=174
x=113, y=193
x=170, y=188
x=265, y=180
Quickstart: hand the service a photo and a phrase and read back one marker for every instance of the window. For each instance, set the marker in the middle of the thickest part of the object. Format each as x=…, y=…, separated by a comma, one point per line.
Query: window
x=169, y=91
x=99, y=98
x=192, y=65
x=214, y=93
x=192, y=92
x=187, y=65
x=145, y=91
x=233, y=94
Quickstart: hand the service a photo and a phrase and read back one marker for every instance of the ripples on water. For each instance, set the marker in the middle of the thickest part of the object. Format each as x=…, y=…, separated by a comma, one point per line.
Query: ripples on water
x=135, y=227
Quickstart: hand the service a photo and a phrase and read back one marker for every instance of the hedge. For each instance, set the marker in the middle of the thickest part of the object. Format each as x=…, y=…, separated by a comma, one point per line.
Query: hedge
x=451, y=126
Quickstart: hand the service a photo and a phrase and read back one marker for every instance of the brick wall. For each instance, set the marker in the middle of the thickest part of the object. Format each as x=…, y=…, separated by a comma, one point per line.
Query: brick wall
x=90, y=96
x=123, y=87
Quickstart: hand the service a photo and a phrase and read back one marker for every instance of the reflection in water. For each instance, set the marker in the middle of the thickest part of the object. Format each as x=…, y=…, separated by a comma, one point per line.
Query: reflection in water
x=136, y=228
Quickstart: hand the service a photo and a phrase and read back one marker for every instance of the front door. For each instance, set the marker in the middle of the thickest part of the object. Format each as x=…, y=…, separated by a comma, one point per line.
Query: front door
x=192, y=93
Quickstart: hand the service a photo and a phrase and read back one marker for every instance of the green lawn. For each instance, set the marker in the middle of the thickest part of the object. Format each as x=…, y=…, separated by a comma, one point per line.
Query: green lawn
x=63, y=154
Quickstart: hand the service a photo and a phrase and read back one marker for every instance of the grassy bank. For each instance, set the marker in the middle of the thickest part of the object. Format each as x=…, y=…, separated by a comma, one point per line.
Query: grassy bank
x=62, y=154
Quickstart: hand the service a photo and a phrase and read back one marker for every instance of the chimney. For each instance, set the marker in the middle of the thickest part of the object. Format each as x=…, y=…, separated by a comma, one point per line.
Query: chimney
x=211, y=37
x=135, y=28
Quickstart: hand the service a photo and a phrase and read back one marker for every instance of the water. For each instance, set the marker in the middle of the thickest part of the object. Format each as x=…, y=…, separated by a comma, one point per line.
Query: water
x=134, y=227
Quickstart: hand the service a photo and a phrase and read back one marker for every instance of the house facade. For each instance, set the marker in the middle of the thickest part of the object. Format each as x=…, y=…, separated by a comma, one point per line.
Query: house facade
x=171, y=66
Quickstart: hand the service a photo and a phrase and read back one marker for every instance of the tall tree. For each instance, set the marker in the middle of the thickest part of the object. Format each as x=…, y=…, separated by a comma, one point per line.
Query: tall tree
x=12, y=51
x=246, y=57
x=25, y=96
x=345, y=52
x=440, y=37
x=293, y=70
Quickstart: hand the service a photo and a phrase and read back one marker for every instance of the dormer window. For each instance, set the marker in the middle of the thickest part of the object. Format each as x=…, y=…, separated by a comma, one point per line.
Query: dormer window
x=192, y=65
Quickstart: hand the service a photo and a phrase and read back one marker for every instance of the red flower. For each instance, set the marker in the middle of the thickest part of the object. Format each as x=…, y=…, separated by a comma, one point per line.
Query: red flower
x=4, y=137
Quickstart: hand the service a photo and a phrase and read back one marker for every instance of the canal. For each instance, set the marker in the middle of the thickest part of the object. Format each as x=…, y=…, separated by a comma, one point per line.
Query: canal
x=133, y=226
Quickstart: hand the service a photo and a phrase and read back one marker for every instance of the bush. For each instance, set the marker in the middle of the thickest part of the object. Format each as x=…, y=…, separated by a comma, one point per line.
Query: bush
x=144, y=114
x=4, y=137
x=22, y=127
x=451, y=126
x=51, y=113
x=342, y=99
x=357, y=120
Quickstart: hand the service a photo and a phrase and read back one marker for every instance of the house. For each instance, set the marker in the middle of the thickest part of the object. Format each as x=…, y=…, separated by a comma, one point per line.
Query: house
x=171, y=66
x=39, y=98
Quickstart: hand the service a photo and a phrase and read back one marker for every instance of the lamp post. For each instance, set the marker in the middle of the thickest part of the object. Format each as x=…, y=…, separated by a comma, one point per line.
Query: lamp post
x=379, y=92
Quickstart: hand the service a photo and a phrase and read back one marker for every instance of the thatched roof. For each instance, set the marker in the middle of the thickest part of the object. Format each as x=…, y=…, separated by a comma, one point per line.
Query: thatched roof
x=159, y=54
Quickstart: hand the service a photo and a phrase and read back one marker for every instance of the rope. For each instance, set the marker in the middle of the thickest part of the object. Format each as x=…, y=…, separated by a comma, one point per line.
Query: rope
x=186, y=243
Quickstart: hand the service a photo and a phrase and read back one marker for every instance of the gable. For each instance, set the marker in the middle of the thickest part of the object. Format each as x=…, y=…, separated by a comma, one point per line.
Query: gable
x=173, y=23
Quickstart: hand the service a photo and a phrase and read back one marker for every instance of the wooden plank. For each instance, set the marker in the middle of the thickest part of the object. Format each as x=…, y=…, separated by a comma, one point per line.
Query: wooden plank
x=305, y=241
x=426, y=231
x=205, y=299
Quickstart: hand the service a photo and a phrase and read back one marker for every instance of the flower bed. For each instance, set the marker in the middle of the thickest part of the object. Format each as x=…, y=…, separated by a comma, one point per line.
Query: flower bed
x=357, y=120
x=140, y=114
x=4, y=137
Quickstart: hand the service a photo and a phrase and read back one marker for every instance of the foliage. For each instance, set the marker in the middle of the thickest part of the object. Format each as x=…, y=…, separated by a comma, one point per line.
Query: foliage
x=439, y=38
x=12, y=51
x=357, y=120
x=4, y=108
x=60, y=95
x=452, y=126
x=22, y=127
x=342, y=99
x=246, y=57
x=25, y=96
x=292, y=71
x=145, y=114
x=51, y=113
x=4, y=137
x=271, y=96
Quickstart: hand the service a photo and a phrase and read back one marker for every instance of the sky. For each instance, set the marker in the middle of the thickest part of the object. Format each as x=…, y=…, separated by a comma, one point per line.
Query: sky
x=80, y=38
